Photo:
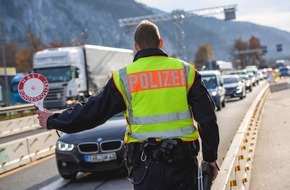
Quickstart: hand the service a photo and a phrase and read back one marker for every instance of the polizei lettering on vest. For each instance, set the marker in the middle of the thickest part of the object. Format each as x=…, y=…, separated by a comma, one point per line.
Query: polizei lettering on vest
x=149, y=80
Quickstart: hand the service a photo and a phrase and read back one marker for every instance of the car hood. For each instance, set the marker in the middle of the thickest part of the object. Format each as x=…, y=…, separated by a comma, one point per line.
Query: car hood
x=231, y=85
x=112, y=129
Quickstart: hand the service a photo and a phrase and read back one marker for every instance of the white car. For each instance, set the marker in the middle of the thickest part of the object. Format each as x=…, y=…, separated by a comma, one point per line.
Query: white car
x=234, y=86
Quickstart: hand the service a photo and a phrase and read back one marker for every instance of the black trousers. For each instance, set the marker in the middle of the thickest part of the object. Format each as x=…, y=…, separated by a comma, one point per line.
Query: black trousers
x=181, y=175
x=177, y=174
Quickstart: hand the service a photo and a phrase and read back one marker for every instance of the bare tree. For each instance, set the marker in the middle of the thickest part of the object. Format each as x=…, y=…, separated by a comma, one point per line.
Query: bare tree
x=24, y=57
x=204, y=55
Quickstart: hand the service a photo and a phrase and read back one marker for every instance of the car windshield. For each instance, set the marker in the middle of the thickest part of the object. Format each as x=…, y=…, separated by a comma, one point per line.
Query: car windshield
x=209, y=81
x=238, y=73
x=284, y=69
x=244, y=78
x=229, y=80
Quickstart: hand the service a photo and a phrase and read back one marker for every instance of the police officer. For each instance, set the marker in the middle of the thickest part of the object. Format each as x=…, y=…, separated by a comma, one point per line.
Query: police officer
x=159, y=96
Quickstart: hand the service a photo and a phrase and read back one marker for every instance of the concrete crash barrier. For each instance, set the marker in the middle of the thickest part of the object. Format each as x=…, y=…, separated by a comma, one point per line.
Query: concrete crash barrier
x=13, y=154
x=279, y=86
x=23, y=151
x=17, y=126
x=41, y=145
x=235, y=171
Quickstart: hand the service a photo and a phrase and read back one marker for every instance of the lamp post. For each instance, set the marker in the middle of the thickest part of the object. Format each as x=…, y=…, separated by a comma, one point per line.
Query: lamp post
x=4, y=64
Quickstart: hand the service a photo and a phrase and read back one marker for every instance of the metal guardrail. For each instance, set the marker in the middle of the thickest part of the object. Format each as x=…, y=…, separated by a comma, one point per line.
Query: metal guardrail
x=9, y=110
x=235, y=171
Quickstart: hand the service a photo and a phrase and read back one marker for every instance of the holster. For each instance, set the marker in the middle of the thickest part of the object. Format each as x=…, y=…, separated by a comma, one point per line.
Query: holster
x=132, y=154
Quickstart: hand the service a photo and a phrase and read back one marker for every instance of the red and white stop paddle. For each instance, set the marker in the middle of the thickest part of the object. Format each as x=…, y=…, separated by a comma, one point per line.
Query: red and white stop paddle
x=33, y=88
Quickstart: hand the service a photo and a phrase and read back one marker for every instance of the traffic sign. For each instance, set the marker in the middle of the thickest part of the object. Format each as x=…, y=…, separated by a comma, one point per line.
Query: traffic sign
x=33, y=88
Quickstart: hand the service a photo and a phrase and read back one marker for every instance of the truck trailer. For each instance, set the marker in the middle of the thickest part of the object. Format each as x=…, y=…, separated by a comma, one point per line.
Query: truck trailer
x=75, y=73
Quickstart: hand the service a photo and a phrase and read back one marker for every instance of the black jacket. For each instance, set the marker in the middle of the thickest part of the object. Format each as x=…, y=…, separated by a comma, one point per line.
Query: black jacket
x=109, y=102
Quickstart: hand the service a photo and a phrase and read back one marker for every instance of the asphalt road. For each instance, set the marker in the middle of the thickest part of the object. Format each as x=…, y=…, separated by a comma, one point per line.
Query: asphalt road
x=44, y=175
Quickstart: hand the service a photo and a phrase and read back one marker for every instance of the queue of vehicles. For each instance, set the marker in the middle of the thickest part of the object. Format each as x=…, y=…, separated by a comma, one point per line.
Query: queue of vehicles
x=231, y=84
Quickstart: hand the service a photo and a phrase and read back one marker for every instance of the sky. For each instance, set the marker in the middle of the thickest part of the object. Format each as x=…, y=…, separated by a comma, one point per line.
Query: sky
x=273, y=13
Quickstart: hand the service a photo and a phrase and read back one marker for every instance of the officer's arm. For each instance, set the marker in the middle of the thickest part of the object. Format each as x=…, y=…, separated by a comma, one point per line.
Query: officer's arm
x=96, y=111
x=204, y=113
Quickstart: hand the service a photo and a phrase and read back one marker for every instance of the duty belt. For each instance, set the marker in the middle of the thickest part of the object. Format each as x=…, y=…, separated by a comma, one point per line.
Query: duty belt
x=166, y=150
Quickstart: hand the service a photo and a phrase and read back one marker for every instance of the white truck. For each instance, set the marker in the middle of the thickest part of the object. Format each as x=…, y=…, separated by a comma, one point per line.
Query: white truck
x=75, y=73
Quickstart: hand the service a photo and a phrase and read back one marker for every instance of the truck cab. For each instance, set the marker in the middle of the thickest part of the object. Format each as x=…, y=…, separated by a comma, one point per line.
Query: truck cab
x=75, y=73
x=16, y=99
x=61, y=68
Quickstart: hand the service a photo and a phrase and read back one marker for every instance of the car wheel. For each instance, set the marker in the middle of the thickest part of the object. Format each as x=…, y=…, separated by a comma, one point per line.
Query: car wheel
x=224, y=103
x=245, y=94
x=69, y=176
x=219, y=106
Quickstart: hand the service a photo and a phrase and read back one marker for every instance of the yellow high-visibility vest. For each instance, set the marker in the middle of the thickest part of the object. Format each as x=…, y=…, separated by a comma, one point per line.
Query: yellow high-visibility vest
x=155, y=92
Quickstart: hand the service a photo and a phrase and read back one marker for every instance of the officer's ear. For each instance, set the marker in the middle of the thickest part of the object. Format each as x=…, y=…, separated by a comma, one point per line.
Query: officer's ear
x=137, y=48
x=161, y=42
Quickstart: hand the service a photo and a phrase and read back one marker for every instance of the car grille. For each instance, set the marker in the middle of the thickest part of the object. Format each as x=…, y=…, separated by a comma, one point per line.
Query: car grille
x=88, y=148
x=111, y=145
x=106, y=146
x=230, y=90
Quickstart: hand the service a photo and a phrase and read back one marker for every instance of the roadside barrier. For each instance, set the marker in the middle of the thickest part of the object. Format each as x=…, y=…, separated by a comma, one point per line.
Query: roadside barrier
x=41, y=145
x=235, y=171
x=20, y=125
x=23, y=151
x=280, y=86
x=13, y=155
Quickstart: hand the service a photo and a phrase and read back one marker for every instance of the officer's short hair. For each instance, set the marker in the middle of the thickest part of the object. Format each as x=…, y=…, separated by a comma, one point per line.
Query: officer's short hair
x=147, y=35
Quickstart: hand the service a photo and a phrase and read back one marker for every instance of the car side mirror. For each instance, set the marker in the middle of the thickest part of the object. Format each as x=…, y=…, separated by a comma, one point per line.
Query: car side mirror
x=77, y=71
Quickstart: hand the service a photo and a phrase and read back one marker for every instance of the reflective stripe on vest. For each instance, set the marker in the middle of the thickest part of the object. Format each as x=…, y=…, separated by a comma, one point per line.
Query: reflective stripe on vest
x=164, y=134
x=151, y=80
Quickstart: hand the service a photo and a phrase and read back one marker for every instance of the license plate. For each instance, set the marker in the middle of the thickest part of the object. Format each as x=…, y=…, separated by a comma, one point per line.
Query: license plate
x=100, y=157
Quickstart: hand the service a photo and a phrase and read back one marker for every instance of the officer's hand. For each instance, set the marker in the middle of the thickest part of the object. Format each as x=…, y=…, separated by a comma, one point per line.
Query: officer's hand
x=216, y=169
x=43, y=116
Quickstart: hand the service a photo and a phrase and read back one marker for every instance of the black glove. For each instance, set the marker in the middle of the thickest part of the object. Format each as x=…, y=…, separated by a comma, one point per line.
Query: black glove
x=207, y=172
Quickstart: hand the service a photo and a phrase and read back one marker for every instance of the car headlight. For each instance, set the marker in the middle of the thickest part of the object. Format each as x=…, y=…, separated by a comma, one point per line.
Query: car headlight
x=64, y=146
x=214, y=93
x=239, y=89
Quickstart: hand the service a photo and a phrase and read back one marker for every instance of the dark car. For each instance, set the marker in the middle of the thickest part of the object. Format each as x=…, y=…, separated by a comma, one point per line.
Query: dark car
x=214, y=84
x=284, y=71
x=94, y=150
x=234, y=86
